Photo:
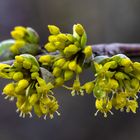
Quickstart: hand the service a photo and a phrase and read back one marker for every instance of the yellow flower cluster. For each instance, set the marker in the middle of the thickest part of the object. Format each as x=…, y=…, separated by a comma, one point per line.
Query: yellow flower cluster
x=117, y=84
x=71, y=47
x=23, y=36
x=30, y=90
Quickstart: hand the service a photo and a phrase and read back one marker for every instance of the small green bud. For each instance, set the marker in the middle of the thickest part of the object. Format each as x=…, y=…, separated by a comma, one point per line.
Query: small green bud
x=56, y=71
x=50, y=47
x=34, y=68
x=78, y=69
x=68, y=74
x=59, y=81
x=98, y=92
x=121, y=76
x=18, y=76
x=53, y=29
x=34, y=75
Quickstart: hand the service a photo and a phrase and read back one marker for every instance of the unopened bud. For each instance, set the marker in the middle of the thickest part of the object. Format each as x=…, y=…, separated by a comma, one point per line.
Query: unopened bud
x=54, y=30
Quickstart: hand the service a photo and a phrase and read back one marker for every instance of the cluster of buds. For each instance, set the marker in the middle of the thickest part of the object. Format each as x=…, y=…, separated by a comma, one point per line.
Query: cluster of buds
x=117, y=84
x=26, y=40
x=29, y=89
x=72, y=48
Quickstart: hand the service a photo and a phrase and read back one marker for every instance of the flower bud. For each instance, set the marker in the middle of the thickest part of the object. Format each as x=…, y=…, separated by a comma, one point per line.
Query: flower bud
x=27, y=64
x=45, y=59
x=59, y=63
x=71, y=50
x=73, y=65
x=88, y=51
x=78, y=69
x=22, y=84
x=19, y=59
x=62, y=37
x=68, y=74
x=50, y=47
x=120, y=75
x=53, y=29
x=34, y=68
x=52, y=38
x=79, y=29
x=56, y=71
x=59, y=81
x=70, y=38
x=98, y=92
x=125, y=62
x=34, y=75
x=17, y=34
x=18, y=76
x=9, y=89
x=59, y=45
x=65, y=66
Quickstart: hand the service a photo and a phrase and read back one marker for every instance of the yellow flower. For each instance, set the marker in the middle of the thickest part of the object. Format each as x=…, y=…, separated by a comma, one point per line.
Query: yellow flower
x=131, y=105
x=103, y=105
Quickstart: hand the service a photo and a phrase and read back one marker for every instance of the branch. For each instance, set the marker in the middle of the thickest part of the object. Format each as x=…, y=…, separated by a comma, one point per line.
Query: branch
x=109, y=49
x=116, y=48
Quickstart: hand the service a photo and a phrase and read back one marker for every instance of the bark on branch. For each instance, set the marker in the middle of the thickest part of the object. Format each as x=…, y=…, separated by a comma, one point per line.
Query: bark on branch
x=115, y=48
x=109, y=49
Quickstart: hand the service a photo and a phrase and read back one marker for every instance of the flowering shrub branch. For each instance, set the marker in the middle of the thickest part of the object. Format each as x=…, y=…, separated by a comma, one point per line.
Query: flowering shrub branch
x=64, y=56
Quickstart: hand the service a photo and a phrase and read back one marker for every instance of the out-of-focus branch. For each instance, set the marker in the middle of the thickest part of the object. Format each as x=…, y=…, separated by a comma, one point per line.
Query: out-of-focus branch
x=115, y=48
x=109, y=49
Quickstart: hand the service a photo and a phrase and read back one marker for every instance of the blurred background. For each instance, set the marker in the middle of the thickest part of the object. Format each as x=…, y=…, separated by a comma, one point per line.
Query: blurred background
x=105, y=21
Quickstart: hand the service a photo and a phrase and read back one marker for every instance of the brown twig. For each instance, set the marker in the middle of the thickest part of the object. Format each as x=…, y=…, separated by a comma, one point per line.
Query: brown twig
x=116, y=48
x=109, y=49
